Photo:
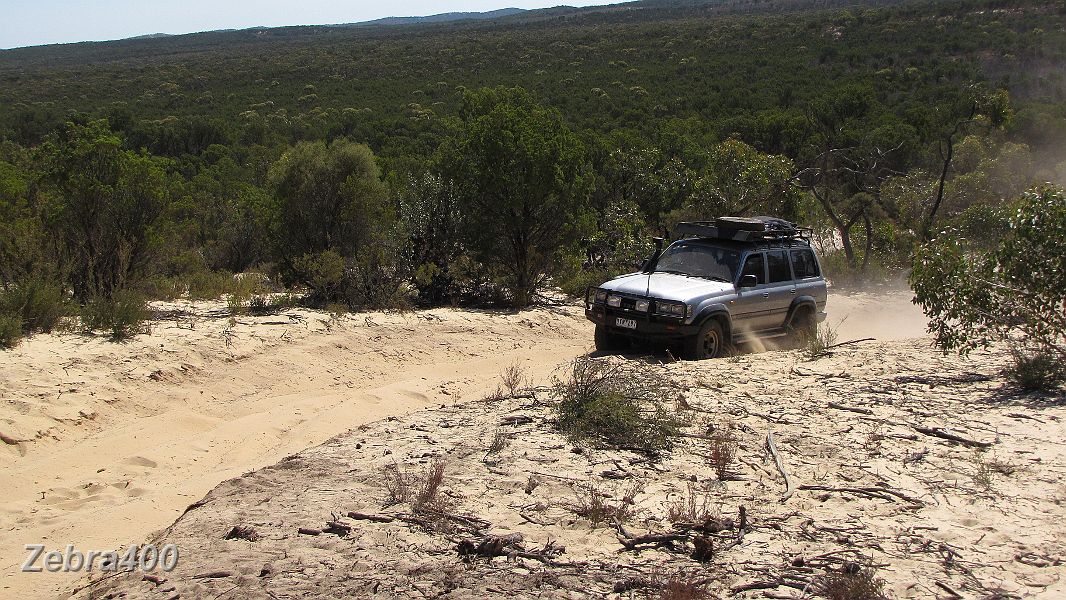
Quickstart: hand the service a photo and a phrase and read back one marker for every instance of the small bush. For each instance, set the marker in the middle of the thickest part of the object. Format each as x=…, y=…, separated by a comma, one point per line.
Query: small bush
x=723, y=454
x=854, y=582
x=10, y=331
x=575, y=284
x=124, y=315
x=420, y=490
x=596, y=506
x=624, y=410
x=689, y=509
x=816, y=346
x=1036, y=371
x=684, y=588
x=208, y=285
x=37, y=304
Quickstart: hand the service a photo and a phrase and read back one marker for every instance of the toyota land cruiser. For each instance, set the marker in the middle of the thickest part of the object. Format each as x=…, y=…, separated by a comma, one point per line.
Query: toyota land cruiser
x=724, y=282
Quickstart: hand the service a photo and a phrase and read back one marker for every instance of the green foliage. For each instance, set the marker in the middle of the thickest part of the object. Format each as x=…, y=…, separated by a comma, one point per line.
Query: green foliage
x=521, y=182
x=330, y=198
x=104, y=207
x=975, y=297
x=123, y=315
x=38, y=305
x=1037, y=371
x=603, y=403
x=10, y=330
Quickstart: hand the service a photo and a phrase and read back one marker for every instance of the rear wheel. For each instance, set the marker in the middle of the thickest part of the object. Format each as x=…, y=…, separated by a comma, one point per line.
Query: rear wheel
x=607, y=341
x=802, y=328
x=710, y=342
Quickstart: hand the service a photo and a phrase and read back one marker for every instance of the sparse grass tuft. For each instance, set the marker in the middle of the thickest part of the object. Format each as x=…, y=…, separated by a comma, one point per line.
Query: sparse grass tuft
x=816, y=346
x=597, y=506
x=690, y=509
x=854, y=582
x=617, y=408
x=1036, y=371
x=420, y=490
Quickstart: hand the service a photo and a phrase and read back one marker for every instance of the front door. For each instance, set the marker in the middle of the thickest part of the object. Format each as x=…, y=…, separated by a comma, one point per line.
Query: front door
x=751, y=310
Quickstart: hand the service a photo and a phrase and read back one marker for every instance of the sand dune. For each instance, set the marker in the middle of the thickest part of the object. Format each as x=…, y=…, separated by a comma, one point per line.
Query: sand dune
x=113, y=441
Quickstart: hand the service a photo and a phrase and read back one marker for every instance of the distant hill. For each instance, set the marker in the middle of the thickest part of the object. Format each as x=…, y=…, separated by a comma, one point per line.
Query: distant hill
x=443, y=17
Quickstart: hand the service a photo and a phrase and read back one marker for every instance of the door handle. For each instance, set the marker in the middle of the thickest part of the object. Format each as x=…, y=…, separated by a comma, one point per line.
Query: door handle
x=792, y=292
x=766, y=294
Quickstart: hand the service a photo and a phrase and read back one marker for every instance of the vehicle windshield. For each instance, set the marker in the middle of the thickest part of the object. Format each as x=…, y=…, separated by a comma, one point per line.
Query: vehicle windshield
x=699, y=260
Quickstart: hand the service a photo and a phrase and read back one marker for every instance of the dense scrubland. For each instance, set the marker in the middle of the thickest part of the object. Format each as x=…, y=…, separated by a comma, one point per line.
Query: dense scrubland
x=479, y=162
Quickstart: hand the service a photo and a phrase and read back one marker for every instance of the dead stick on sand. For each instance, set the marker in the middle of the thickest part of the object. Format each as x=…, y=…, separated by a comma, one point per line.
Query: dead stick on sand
x=850, y=342
x=861, y=411
x=951, y=437
x=790, y=487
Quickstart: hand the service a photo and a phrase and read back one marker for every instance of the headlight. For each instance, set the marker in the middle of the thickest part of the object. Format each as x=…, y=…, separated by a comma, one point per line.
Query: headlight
x=614, y=301
x=601, y=296
x=673, y=309
x=642, y=306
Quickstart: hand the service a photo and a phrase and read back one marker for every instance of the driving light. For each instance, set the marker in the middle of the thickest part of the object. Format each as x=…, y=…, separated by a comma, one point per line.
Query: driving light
x=642, y=305
x=614, y=301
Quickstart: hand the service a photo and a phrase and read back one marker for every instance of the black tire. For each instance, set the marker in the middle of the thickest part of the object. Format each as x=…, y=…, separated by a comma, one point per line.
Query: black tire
x=710, y=342
x=607, y=341
x=802, y=328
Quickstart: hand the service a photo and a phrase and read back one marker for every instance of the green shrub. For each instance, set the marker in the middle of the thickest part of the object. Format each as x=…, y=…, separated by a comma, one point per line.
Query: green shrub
x=600, y=402
x=37, y=305
x=575, y=284
x=124, y=315
x=209, y=285
x=1036, y=371
x=10, y=331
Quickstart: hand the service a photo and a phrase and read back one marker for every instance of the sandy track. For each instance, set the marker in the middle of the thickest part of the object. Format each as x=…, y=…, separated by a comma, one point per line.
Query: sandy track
x=114, y=441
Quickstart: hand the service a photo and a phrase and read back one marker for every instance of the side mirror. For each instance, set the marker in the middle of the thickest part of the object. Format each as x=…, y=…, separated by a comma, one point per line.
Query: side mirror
x=748, y=281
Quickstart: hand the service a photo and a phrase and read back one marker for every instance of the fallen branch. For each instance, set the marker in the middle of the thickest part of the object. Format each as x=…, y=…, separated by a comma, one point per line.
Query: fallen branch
x=850, y=342
x=951, y=437
x=790, y=487
x=861, y=411
x=869, y=492
x=374, y=518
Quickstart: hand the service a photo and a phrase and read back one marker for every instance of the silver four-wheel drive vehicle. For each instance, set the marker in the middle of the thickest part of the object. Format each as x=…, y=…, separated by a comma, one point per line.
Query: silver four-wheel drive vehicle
x=725, y=281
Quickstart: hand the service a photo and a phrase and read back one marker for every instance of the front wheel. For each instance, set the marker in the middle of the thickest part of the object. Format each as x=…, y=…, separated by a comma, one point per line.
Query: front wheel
x=607, y=341
x=802, y=329
x=708, y=343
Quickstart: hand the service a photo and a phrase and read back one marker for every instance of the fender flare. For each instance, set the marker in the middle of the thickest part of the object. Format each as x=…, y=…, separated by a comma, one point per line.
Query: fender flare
x=797, y=304
x=712, y=311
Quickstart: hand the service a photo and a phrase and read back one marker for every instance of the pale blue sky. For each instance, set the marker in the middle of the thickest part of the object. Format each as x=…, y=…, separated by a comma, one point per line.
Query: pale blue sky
x=35, y=22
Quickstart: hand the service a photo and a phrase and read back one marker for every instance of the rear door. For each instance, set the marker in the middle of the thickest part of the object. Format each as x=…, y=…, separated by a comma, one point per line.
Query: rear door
x=809, y=280
x=780, y=286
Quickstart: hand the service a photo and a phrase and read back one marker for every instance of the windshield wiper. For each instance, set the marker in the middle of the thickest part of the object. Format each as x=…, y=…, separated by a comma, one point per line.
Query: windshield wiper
x=711, y=277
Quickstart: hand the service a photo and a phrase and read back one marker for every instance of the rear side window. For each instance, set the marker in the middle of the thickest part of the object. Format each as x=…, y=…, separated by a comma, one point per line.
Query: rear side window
x=777, y=261
x=803, y=264
x=754, y=266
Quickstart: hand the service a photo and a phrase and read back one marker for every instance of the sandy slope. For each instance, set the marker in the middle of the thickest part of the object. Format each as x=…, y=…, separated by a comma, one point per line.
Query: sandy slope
x=931, y=514
x=106, y=443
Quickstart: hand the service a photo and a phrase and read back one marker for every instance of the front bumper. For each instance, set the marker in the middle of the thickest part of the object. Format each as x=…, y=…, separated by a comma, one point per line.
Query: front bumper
x=649, y=326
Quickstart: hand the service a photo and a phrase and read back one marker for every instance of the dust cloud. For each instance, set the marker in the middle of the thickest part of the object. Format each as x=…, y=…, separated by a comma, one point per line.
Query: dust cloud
x=884, y=311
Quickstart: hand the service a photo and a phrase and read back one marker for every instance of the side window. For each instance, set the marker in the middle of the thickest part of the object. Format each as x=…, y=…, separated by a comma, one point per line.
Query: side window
x=754, y=266
x=777, y=261
x=803, y=264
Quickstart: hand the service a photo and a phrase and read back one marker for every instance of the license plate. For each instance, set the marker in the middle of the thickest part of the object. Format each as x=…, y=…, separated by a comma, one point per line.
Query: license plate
x=626, y=323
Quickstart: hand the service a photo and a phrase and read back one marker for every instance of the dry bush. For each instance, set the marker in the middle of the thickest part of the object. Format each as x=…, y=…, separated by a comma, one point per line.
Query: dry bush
x=988, y=469
x=420, y=490
x=723, y=452
x=854, y=582
x=596, y=506
x=689, y=509
x=816, y=346
x=499, y=442
x=618, y=407
x=514, y=379
x=680, y=587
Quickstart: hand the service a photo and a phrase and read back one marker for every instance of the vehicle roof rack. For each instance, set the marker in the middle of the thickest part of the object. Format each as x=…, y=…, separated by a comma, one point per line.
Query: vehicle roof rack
x=746, y=229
